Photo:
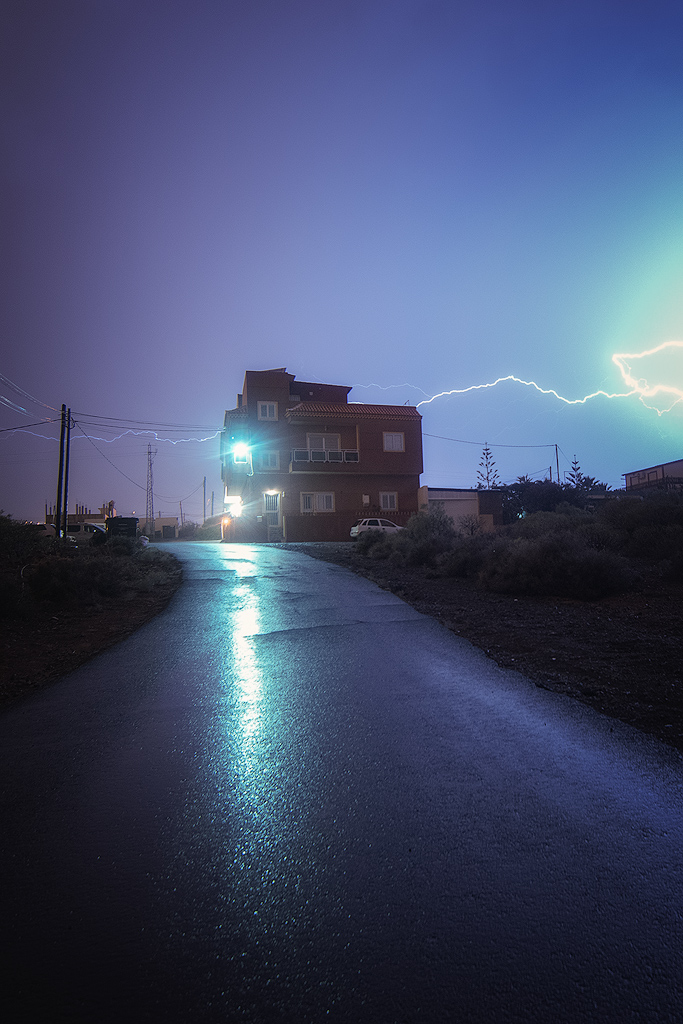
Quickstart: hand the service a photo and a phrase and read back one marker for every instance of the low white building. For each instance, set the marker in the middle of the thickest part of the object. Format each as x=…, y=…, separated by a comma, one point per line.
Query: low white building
x=465, y=505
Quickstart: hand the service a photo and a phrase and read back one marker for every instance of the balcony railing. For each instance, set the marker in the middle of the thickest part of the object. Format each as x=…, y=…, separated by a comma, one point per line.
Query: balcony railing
x=308, y=455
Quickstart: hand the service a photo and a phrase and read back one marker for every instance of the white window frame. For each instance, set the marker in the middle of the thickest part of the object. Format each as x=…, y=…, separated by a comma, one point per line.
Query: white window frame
x=268, y=406
x=394, y=441
x=269, y=466
x=388, y=501
x=316, y=501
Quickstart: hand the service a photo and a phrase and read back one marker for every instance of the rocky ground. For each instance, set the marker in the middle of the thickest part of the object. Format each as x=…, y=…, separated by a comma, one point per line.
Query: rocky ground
x=621, y=655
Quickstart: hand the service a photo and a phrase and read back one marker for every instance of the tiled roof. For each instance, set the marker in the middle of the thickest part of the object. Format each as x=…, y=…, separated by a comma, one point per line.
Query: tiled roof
x=353, y=411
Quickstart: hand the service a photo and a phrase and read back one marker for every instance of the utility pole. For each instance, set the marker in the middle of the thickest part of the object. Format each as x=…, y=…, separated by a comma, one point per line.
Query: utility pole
x=557, y=464
x=204, y=509
x=60, y=477
x=65, y=519
x=149, y=512
x=182, y=521
x=212, y=504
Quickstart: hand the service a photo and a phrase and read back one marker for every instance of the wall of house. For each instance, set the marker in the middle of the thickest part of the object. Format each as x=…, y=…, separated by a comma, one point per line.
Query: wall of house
x=459, y=504
x=654, y=474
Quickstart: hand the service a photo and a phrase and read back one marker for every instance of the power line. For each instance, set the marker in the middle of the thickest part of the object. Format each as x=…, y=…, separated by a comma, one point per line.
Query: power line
x=129, y=479
x=40, y=423
x=26, y=394
x=101, y=420
x=459, y=440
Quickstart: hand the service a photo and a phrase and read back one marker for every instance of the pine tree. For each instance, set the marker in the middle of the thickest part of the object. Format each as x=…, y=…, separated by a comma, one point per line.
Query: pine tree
x=575, y=476
x=487, y=474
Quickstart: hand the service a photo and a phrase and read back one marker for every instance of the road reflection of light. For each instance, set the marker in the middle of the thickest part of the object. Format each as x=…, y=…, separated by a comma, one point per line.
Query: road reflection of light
x=247, y=676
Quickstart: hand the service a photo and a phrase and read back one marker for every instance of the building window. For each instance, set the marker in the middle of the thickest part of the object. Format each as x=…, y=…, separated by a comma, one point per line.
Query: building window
x=269, y=460
x=394, y=442
x=267, y=410
x=317, y=501
x=320, y=444
x=388, y=501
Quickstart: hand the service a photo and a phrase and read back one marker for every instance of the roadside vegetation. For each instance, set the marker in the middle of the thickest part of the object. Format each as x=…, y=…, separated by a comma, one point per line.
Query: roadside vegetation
x=61, y=604
x=40, y=574
x=585, y=553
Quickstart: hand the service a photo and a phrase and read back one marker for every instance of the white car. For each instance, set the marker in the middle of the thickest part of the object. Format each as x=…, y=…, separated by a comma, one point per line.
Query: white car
x=373, y=524
x=84, y=533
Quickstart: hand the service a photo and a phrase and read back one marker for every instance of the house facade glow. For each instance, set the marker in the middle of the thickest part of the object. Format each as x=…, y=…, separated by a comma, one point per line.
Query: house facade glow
x=298, y=462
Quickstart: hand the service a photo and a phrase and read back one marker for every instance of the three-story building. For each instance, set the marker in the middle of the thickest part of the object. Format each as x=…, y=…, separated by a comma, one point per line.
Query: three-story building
x=299, y=462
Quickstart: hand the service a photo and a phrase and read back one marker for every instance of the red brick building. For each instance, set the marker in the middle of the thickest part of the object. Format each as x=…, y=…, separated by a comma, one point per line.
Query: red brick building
x=298, y=462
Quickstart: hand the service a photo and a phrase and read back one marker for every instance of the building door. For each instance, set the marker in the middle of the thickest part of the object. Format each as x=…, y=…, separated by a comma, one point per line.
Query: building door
x=272, y=509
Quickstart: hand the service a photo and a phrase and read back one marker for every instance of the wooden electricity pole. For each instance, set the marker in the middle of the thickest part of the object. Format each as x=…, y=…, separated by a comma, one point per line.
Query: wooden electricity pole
x=65, y=518
x=60, y=477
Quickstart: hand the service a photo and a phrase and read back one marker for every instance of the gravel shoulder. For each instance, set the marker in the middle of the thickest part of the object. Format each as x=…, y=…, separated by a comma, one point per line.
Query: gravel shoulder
x=620, y=655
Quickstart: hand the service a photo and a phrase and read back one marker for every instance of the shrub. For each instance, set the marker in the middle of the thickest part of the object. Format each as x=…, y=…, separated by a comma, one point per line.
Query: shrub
x=57, y=579
x=560, y=566
x=467, y=555
x=374, y=544
x=208, y=531
x=17, y=540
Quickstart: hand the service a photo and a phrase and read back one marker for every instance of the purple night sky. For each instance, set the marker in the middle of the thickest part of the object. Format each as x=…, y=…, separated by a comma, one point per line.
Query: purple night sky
x=410, y=195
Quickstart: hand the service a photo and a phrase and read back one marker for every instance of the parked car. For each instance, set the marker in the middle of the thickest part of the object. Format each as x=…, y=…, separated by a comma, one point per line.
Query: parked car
x=84, y=533
x=46, y=530
x=373, y=524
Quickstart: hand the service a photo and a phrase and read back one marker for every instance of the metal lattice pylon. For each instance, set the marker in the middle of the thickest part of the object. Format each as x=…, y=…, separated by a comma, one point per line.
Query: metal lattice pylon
x=149, y=512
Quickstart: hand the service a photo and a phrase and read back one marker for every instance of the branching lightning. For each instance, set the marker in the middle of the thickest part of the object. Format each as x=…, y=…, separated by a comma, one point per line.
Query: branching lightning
x=638, y=387
x=528, y=384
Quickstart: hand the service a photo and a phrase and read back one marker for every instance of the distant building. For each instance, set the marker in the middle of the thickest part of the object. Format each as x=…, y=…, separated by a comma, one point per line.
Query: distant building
x=299, y=463
x=165, y=528
x=669, y=476
x=82, y=514
x=464, y=505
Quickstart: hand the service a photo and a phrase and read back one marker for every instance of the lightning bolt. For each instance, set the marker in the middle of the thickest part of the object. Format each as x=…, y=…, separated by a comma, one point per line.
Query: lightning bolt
x=528, y=384
x=118, y=437
x=640, y=386
x=155, y=435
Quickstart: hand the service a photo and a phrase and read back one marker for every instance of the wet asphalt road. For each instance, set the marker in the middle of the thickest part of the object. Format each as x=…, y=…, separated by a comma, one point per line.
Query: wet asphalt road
x=293, y=798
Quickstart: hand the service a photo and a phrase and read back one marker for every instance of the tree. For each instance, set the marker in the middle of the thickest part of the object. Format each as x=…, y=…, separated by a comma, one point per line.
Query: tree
x=575, y=476
x=487, y=474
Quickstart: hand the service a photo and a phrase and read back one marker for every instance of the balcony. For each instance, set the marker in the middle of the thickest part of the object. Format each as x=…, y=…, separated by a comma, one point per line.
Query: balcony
x=301, y=458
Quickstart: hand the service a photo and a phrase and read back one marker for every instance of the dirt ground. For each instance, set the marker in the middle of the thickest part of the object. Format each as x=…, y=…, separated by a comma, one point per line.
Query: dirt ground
x=621, y=655
x=36, y=651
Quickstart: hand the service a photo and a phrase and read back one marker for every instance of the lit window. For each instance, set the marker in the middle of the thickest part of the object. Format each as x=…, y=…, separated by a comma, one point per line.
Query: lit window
x=388, y=501
x=267, y=410
x=394, y=442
